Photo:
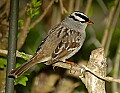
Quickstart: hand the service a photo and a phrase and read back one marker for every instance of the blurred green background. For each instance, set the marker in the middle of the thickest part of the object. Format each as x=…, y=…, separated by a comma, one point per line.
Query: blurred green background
x=36, y=17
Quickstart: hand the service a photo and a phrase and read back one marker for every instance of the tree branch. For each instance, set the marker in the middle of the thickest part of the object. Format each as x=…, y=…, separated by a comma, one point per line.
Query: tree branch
x=42, y=16
x=108, y=22
x=112, y=29
x=76, y=68
x=63, y=10
x=24, y=33
x=89, y=2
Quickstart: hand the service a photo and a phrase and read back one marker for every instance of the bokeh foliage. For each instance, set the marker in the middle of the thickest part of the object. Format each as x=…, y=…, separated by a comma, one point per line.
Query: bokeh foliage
x=97, y=10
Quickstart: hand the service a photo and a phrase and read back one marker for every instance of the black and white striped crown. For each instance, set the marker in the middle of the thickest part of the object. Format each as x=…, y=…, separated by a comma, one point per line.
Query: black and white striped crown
x=79, y=16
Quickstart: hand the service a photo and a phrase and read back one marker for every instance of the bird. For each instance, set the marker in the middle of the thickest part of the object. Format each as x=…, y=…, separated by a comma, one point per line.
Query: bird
x=62, y=41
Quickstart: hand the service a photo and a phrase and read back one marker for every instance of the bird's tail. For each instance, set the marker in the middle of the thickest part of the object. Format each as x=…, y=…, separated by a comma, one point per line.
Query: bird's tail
x=20, y=70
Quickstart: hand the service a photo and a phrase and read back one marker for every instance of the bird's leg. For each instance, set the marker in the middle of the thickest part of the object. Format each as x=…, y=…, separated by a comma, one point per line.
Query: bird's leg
x=71, y=63
x=52, y=62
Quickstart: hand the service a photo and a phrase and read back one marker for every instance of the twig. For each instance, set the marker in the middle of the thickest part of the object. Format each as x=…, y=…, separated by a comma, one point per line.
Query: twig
x=3, y=52
x=43, y=15
x=75, y=68
x=116, y=67
x=63, y=10
x=93, y=39
x=78, y=4
x=103, y=6
x=18, y=54
x=68, y=66
x=109, y=19
x=88, y=6
x=71, y=6
x=79, y=67
x=115, y=19
x=24, y=33
x=109, y=79
x=56, y=15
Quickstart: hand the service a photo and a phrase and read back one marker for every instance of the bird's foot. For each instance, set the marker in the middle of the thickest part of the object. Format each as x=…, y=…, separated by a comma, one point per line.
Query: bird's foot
x=71, y=63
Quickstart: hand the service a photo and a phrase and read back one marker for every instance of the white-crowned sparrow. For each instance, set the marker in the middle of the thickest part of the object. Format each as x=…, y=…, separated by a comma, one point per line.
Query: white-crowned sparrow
x=62, y=42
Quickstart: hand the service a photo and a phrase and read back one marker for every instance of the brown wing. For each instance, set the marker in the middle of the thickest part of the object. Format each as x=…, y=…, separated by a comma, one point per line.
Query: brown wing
x=69, y=43
x=55, y=28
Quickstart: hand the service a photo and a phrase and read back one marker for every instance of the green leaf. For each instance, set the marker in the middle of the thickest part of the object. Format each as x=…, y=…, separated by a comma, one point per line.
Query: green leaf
x=36, y=3
x=24, y=56
x=17, y=65
x=20, y=22
x=21, y=80
x=3, y=62
x=30, y=12
x=36, y=13
x=33, y=9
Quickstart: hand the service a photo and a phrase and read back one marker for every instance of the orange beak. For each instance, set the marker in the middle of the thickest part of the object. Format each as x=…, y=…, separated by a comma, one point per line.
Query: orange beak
x=89, y=22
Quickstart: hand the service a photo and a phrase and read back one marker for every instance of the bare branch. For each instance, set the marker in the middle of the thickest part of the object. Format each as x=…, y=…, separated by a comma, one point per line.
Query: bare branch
x=63, y=10
x=18, y=54
x=108, y=79
x=113, y=25
x=71, y=6
x=43, y=15
x=116, y=68
x=109, y=19
x=75, y=68
x=103, y=6
x=24, y=33
x=89, y=2
x=78, y=4
x=56, y=15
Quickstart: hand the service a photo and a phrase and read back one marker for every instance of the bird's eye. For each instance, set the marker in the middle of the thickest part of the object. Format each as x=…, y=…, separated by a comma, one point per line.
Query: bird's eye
x=82, y=21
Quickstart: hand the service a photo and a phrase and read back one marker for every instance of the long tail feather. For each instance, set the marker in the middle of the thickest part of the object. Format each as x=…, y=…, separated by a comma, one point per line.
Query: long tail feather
x=20, y=70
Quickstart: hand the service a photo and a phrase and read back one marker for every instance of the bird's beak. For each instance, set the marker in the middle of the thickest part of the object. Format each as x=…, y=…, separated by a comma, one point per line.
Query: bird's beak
x=89, y=22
